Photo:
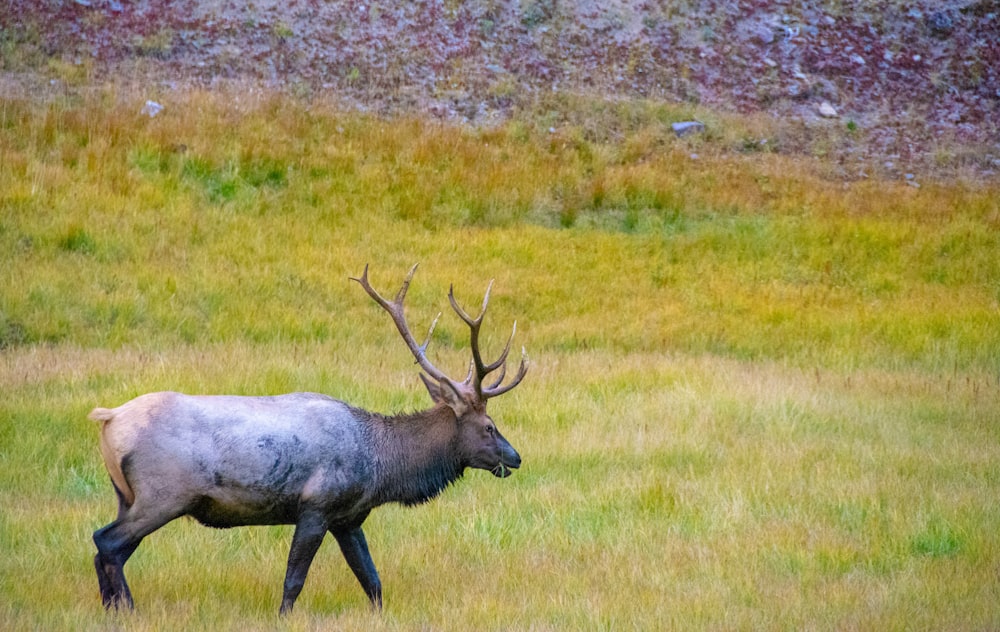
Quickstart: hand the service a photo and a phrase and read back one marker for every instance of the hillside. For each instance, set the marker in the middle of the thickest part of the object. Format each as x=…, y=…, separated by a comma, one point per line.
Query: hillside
x=874, y=88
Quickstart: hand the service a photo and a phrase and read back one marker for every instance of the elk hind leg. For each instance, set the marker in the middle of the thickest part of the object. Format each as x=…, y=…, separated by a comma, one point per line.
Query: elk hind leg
x=113, y=550
x=116, y=542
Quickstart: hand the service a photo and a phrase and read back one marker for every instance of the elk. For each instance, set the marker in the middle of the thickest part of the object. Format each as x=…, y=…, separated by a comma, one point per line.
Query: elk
x=302, y=458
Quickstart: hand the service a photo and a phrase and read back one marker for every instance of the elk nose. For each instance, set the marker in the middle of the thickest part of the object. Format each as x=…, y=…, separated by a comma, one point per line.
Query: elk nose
x=510, y=457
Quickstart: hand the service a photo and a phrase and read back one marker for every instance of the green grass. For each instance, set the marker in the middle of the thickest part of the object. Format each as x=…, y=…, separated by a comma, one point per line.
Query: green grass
x=759, y=399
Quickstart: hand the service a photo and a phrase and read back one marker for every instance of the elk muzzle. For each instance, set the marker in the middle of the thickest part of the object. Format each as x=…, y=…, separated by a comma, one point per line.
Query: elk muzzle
x=509, y=460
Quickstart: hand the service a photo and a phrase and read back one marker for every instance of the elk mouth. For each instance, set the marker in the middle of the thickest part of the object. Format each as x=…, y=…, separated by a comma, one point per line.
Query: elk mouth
x=502, y=470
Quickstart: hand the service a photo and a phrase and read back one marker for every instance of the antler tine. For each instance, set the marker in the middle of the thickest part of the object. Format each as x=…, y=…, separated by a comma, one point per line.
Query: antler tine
x=502, y=360
x=401, y=294
x=499, y=380
x=395, y=309
x=471, y=322
x=472, y=372
x=496, y=389
x=430, y=332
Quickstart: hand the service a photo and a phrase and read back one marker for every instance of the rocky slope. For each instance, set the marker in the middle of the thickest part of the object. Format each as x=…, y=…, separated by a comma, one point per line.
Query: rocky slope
x=920, y=79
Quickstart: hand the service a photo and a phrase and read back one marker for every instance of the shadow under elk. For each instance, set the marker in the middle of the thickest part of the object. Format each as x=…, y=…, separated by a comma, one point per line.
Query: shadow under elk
x=303, y=458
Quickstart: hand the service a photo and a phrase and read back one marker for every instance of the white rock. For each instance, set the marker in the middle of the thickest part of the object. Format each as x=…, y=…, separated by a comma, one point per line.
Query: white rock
x=151, y=109
x=687, y=127
x=826, y=110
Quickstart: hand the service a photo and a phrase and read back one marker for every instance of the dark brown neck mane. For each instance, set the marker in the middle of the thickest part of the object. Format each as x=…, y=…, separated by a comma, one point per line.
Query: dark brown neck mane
x=416, y=454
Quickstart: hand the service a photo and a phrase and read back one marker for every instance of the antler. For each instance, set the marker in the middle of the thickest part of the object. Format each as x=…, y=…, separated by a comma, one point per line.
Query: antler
x=395, y=309
x=479, y=369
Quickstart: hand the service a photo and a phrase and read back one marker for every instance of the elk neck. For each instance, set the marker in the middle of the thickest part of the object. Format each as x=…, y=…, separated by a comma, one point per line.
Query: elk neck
x=416, y=455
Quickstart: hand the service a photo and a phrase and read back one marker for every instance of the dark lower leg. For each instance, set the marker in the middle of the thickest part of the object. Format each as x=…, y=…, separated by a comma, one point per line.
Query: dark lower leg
x=355, y=549
x=112, y=553
x=309, y=534
x=114, y=589
x=103, y=581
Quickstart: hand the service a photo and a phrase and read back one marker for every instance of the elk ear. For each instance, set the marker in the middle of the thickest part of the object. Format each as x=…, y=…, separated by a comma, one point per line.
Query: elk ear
x=445, y=392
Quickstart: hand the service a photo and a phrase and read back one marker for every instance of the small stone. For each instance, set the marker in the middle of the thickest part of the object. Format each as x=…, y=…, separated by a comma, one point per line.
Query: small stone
x=940, y=24
x=764, y=35
x=686, y=128
x=151, y=109
x=826, y=110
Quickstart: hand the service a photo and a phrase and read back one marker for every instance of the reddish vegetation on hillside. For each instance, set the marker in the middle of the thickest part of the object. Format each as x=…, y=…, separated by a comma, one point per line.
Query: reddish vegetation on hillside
x=910, y=75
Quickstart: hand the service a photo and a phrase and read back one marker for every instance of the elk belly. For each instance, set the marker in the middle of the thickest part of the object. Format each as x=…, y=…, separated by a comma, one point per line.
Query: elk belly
x=235, y=501
x=253, y=480
x=224, y=508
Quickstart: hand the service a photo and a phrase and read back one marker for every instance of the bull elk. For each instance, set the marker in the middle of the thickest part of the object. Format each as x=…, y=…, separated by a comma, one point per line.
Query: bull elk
x=303, y=458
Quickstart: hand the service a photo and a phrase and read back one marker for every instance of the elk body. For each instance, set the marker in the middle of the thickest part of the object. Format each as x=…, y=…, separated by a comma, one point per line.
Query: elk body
x=304, y=459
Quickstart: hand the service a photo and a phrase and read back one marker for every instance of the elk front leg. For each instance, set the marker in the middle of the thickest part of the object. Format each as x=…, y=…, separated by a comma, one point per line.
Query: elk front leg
x=355, y=549
x=309, y=534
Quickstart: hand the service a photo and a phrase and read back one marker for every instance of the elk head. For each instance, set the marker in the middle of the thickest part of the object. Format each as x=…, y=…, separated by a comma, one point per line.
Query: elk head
x=481, y=443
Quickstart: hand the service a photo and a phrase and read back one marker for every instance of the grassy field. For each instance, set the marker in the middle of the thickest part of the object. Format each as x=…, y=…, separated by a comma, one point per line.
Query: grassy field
x=760, y=398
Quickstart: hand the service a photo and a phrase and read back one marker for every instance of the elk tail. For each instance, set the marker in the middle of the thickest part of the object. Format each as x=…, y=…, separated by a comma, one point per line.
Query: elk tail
x=104, y=416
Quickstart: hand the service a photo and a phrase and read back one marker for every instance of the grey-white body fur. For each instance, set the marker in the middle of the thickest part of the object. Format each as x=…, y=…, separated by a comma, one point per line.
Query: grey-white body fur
x=242, y=460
